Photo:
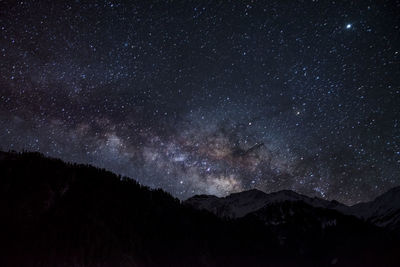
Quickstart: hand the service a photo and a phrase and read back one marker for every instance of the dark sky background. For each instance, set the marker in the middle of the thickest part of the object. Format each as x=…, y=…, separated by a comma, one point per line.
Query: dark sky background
x=173, y=93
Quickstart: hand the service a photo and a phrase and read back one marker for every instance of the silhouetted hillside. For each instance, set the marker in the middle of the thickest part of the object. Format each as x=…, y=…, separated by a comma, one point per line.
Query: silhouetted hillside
x=59, y=214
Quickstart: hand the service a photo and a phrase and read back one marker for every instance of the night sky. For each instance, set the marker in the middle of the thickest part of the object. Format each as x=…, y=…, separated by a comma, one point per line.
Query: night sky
x=209, y=97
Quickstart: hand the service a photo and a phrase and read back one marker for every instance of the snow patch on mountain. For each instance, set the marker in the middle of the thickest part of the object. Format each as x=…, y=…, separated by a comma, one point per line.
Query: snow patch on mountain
x=384, y=211
x=240, y=204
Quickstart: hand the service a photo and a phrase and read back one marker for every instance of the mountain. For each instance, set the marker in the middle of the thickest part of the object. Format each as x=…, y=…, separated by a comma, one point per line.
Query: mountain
x=240, y=204
x=61, y=214
x=384, y=211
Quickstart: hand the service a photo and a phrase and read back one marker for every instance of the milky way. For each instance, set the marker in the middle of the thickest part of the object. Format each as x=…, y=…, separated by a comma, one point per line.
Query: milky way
x=209, y=97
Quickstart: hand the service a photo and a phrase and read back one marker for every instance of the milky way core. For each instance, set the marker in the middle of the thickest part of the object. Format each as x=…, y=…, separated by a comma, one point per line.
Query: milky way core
x=209, y=97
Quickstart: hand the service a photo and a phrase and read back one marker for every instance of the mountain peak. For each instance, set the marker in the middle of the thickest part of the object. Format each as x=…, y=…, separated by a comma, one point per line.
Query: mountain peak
x=247, y=193
x=383, y=211
x=242, y=203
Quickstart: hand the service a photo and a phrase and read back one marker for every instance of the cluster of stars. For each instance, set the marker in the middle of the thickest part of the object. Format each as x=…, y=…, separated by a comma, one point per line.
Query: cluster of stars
x=209, y=97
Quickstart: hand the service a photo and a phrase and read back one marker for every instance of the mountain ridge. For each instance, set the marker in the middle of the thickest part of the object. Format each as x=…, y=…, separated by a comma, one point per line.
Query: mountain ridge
x=383, y=211
x=63, y=214
x=258, y=198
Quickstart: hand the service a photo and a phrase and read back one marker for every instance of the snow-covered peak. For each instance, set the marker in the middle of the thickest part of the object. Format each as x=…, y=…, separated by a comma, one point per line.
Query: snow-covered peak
x=240, y=204
x=383, y=211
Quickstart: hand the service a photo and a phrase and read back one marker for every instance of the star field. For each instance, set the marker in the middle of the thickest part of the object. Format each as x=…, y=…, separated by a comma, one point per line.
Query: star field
x=209, y=97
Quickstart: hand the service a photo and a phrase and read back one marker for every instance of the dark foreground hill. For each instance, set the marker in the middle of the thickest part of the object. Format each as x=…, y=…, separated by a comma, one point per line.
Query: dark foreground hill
x=59, y=214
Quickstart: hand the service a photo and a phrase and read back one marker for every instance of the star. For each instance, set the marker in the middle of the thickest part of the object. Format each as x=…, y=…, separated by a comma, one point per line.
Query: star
x=179, y=100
